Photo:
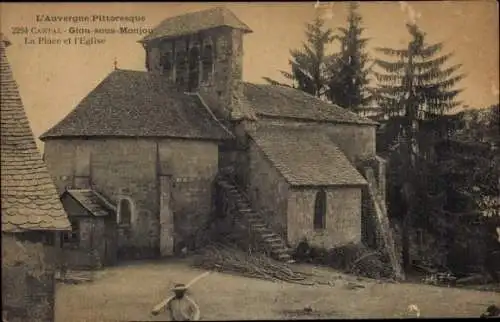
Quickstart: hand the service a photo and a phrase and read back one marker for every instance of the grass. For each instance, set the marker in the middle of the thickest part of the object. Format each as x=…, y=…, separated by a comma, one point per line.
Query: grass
x=128, y=293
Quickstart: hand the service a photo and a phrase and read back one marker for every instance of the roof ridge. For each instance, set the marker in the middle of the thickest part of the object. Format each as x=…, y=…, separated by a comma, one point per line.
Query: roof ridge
x=207, y=108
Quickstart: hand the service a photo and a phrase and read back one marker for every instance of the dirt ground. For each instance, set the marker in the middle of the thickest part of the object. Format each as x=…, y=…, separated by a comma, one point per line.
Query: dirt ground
x=128, y=293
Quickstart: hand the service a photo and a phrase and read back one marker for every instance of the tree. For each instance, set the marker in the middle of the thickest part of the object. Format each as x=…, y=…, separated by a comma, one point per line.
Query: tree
x=349, y=78
x=309, y=65
x=417, y=79
x=413, y=88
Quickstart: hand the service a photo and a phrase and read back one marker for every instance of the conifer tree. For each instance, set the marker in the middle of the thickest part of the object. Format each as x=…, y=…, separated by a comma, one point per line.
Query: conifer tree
x=416, y=86
x=349, y=79
x=309, y=65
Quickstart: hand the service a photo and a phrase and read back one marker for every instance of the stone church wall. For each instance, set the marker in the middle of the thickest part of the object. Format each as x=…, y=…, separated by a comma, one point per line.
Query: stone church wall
x=343, y=217
x=129, y=168
x=268, y=190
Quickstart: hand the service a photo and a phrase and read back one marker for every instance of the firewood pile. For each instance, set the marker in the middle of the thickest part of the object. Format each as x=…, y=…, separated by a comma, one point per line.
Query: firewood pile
x=224, y=258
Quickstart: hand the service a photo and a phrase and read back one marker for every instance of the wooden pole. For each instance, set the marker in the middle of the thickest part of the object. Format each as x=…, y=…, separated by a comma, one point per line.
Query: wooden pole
x=158, y=307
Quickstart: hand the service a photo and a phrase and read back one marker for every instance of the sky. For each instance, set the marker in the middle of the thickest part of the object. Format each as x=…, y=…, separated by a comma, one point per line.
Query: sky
x=54, y=78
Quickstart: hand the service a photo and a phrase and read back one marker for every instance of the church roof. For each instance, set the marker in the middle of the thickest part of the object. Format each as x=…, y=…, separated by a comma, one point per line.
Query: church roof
x=306, y=158
x=285, y=102
x=29, y=197
x=196, y=21
x=138, y=104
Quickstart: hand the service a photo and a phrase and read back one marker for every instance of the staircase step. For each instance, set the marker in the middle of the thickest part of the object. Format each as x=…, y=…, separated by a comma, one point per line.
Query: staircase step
x=278, y=249
x=272, y=239
x=276, y=244
x=286, y=259
x=254, y=221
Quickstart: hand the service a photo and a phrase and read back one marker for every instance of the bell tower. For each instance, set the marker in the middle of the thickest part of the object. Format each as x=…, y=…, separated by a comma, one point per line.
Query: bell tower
x=201, y=52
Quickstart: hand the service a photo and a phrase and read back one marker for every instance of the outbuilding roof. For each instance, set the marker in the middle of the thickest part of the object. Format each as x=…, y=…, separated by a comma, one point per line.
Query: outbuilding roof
x=29, y=197
x=306, y=158
x=93, y=202
x=139, y=104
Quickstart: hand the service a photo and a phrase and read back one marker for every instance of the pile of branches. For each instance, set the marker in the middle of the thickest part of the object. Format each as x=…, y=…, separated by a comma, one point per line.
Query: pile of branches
x=360, y=260
x=224, y=258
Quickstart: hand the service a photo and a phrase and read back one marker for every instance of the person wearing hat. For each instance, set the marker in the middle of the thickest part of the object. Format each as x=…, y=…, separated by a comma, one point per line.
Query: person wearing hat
x=180, y=307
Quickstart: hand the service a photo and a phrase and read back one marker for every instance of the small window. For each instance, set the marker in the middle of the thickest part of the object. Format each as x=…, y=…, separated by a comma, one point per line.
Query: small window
x=320, y=210
x=207, y=62
x=73, y=236
x=166, y=63
x=420, y=237
x=194, y=70
x=147, y=59
x=124, y=212
x=181, y=69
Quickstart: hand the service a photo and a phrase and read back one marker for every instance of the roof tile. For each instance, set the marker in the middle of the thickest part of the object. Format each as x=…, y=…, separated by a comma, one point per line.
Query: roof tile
x=281, y=101
x=91, y=201
x=29, y=197
x=194, y=22
x=138, y=104
x=306, y=158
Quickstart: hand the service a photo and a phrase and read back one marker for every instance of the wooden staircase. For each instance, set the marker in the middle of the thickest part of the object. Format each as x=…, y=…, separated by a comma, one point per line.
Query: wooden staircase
x=271, y=241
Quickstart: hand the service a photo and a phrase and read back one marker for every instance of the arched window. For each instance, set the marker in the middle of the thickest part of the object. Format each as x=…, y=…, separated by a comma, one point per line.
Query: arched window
x=320, y=210
x=194, y=70
x=207, y=61
x=124, y=212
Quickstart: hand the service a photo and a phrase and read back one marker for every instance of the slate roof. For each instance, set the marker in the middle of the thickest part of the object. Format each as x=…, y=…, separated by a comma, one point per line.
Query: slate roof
x=92, y=201
x=196, y=21
x=306, y=158
x=29, y=197
x=280, y=101
x=138, y=104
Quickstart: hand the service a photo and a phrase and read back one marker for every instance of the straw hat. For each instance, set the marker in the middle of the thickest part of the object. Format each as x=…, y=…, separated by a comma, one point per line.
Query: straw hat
x=179, y=288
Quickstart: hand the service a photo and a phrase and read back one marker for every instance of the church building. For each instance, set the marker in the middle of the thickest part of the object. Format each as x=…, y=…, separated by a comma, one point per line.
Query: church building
x=154, y=146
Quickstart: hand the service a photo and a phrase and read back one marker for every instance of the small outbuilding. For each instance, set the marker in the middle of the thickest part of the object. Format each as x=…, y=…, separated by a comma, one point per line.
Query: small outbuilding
x=92, y=242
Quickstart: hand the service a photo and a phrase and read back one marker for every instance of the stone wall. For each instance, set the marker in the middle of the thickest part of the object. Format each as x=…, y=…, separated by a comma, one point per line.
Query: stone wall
x=192, y=166
x=27, y=280
x=221, y=94
x=356, y=141
x=129, y=168
x=343, y=217
x=219, y=89
x=267, y=190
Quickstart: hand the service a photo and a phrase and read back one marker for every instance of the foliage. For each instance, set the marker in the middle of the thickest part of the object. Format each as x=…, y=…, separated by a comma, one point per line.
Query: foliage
x=419, y=73
x=414, y=88
x=309, y=64
x=458, y=184
x=349, y=74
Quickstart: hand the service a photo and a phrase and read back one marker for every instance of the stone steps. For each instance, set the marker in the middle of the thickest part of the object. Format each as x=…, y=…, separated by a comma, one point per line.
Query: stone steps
x=271, y=241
